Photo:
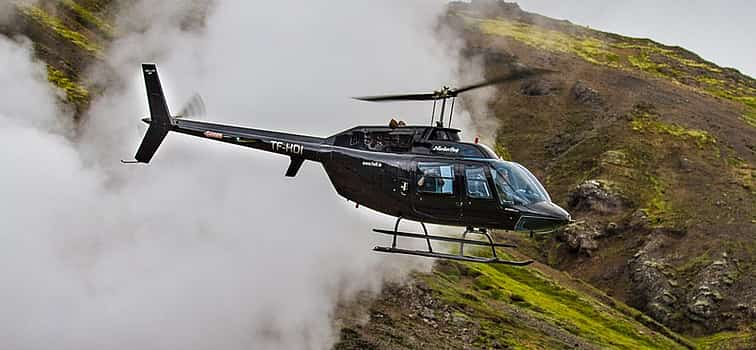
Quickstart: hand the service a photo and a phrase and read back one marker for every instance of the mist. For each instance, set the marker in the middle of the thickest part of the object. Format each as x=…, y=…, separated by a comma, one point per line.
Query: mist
x=209, y=246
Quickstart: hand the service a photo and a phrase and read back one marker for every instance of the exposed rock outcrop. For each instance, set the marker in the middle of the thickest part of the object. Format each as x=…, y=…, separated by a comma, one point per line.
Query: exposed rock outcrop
x=580, y=237
x=596, y=196
x=653, y=283
x=704, y=302
x=538, y=87
x=584, y=94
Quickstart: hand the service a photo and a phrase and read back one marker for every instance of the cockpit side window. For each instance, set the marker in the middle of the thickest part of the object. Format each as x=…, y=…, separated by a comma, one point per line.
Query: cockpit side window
x=477, y=184
x=503, y=189
x=435, y=178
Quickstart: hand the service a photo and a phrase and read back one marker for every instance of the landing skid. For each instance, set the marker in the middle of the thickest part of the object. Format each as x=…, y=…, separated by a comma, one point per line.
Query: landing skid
x=462, y=241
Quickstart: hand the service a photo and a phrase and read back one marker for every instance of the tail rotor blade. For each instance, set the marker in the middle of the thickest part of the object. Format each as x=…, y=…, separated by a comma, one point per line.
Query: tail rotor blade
x=195, y=108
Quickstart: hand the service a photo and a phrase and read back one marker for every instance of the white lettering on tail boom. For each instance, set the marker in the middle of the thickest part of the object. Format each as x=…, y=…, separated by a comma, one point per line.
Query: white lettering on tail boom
x=285, y=147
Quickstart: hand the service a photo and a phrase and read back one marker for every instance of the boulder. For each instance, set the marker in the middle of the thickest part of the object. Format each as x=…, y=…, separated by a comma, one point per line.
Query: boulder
x=596, y=196
x=538, y=87
x=586, y=95
x=704, y=300
x=653, y=283
x=580, y=237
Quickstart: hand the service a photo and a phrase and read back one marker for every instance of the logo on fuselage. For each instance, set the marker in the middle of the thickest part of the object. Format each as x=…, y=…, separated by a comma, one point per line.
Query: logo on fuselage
x=447, y=149
x=293, y=148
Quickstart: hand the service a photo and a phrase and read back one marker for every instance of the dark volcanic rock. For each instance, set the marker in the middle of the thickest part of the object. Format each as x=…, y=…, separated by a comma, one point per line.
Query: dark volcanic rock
x=584, y=94
x=697, y=304
x=704, y=301
x=538, y=87
x=595, y=195
x=653, y=283
x=580, y=237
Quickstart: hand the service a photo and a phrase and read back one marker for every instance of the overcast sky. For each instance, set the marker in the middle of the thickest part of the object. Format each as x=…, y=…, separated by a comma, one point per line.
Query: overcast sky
x=719, y=31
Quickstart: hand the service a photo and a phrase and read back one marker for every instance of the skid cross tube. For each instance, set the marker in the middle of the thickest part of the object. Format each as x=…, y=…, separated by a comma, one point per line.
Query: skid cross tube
x=482, y=232
x=396, y=233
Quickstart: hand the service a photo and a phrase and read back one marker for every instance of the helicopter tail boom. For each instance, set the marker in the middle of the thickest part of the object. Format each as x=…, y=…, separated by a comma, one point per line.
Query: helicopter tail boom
x=298, y=147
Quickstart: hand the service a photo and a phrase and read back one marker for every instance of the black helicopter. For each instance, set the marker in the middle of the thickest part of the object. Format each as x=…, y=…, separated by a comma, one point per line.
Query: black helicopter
x=417, y=173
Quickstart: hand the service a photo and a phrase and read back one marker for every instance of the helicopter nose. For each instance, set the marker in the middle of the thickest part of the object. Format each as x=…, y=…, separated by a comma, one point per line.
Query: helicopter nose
x=543, y=216
x=550, y=210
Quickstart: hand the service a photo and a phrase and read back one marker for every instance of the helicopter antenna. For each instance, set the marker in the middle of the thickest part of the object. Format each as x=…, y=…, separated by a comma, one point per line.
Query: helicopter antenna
x=451, y=113
x=449, y=93
x=443, y=108
x=433, y=114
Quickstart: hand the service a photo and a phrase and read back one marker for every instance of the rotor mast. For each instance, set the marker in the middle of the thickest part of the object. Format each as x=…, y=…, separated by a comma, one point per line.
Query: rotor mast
x=444, y=94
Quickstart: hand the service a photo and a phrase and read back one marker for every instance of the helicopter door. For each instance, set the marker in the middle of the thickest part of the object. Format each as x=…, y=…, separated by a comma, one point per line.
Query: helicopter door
x=479, y=206
x=437, y=191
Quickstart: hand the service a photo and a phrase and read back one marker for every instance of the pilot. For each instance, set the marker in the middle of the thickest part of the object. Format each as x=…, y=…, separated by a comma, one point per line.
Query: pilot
x=396, y=124
x=510, y=190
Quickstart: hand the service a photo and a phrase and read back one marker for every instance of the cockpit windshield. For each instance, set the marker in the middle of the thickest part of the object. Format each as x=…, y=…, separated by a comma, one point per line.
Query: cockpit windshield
x=516, y=184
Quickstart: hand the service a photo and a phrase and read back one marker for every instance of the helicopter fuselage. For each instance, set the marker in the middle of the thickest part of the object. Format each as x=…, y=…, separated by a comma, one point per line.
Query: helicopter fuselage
x=420, y=173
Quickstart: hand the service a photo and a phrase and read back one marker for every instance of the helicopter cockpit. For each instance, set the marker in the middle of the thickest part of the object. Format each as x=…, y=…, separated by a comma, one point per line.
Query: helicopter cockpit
x=516, y=185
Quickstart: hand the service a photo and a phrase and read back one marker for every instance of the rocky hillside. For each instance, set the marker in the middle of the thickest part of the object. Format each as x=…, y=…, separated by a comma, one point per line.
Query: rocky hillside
x=474, y=306
x=68, y=36
x=651, y=147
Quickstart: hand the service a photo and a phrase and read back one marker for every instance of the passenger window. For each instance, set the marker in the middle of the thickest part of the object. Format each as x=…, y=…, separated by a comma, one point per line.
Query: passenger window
x=439, y=135
x=477, y=185
x=435, y=178
x=470, y=152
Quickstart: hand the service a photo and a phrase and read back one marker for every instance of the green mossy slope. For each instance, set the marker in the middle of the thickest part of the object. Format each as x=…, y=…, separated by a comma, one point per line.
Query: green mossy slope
x=489, y=293
x=466, y=305
x=68, y=35
x=669, y=133
x=671, y=63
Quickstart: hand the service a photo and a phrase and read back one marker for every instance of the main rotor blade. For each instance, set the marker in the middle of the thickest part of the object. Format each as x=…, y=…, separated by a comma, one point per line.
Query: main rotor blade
x=517, y=75
x=405, y=97
x=449, y=93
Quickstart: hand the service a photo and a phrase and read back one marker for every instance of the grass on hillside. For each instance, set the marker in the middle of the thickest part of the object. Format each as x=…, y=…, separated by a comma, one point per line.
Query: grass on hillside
x=647, y=122
x=502, y=296
x=46, y=20
x=744, y=339
x=89, y=18
x=632, y=54
x=75, y=93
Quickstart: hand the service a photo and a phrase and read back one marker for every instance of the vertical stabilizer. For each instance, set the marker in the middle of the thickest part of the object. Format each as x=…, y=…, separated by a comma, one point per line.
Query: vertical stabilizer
x=160, y=120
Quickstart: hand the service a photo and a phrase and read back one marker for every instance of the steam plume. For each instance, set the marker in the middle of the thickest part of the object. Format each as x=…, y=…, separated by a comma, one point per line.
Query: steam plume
x=208, y=247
